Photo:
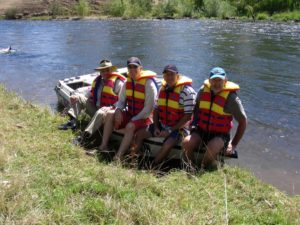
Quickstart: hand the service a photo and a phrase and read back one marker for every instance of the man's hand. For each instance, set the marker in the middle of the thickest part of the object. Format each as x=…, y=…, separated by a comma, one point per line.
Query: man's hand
x=118, y=118
x=164, y=133
x=230, y=149
x=105, y=108
x=157, y=132
x=74, y=99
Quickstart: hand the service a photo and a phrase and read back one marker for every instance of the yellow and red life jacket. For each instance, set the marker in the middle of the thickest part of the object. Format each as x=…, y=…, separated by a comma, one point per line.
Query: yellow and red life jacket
x=135, y=92
x=108, y=96
x=211, y=115
x=170, y=111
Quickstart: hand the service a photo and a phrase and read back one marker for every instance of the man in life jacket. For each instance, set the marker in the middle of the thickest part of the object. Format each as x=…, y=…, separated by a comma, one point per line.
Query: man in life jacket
x=134, y=107
x=102, y=97
x=172, y=113
x=216, y=105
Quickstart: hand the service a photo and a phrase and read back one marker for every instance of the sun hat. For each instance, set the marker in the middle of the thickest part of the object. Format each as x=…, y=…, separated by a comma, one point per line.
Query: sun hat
x=105, y=63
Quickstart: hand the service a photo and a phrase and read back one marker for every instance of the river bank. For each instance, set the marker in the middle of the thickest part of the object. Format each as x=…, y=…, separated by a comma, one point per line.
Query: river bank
x=45, y=179
x=147, y=9
x=280, y=17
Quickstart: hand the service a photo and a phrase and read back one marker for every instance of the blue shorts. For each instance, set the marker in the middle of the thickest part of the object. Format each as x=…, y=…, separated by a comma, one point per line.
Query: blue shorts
x=177, y=135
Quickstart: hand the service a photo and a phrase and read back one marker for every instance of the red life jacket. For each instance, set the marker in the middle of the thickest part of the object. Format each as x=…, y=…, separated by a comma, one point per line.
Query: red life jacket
x=108, y=96
x=170, y=111
x=135, y=92
x=211, y=115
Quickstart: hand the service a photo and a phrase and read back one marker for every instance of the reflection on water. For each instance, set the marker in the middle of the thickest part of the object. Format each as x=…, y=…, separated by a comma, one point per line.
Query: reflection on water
x=263, y=58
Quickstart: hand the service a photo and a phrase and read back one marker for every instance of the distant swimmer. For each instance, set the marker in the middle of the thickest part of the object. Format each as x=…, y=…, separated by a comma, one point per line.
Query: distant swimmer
x=7, y=50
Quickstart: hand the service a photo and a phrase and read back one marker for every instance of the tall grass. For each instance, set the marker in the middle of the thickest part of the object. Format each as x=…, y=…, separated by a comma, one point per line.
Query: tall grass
x=56, y=9
x=82, y=8
x=285, y=16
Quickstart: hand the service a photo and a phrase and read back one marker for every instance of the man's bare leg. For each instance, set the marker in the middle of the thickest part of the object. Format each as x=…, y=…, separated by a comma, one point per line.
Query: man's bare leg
x=129, y=133
x=107, y=129
x=214, y=146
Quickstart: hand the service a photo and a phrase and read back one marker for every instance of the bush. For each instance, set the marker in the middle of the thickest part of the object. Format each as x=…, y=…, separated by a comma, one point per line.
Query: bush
x=174, y=9
x=137, y=8
x=116, y=8
x=295, y=15
x=262, y=16
x=211, y=7
x=82, y=8
x=226, y=10
x=185, y=8
x=11, y=14
x=56, y=9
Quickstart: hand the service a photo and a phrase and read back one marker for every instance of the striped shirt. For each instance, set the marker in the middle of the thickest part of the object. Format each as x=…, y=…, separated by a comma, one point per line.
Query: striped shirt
x=187, y=99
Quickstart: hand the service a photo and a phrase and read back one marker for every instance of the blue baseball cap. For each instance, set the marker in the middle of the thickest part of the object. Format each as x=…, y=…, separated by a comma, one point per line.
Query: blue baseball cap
x=217, y=72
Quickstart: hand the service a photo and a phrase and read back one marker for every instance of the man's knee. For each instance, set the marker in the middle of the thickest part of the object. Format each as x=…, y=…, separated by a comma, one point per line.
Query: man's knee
x=100, y=113
x=130, y=127
x=191, y=142
x=215, y=145
x=186, y=141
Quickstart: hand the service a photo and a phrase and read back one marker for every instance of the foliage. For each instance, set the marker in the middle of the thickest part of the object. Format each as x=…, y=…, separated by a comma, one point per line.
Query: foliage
x=10, y=14
x=116, y=8
x=262, y=16
x=211, y=7
x=137, y=8
x=56, y=9
x=251, y=12
x=226, y=10
x=82, y=8
x=285, y=16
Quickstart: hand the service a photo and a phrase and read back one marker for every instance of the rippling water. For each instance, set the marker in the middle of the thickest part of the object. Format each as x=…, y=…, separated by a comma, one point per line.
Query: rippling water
x=264, y=58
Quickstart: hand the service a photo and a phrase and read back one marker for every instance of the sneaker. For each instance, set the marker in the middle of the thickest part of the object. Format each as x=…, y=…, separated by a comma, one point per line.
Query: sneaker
x=77, y=141
x=82, y=140
x=71, y=124
x=92, y=152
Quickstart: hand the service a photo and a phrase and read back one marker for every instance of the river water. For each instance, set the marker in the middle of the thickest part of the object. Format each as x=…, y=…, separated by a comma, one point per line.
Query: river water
x=264, y=58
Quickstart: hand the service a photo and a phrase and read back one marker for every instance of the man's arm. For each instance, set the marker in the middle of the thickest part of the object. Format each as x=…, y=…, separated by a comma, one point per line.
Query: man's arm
x=150, y=98
x=121, y=103
x=118, y=86
x=187, y=99
x=234, y=106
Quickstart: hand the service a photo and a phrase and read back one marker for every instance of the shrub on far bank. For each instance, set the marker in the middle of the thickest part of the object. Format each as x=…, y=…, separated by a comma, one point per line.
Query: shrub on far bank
x=10, y=14
x=82, y=8
x=115, y=8
x=137, y=8
x=262, y=16
x=211, y=7
x=285, y=16
x=226, y=10
x=56, y=9
x=219, y=8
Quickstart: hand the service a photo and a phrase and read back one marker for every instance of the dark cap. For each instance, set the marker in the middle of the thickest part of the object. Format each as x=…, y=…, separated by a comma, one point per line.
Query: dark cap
x=134, y=61
x=171, y=68
x=217, y=72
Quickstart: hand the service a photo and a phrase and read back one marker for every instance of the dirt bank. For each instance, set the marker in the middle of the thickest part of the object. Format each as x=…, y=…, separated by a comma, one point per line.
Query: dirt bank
x=27, y=8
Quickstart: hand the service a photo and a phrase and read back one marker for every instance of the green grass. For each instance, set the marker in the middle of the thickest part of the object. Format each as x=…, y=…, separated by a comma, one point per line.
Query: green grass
x=286, y=16
x=41, y=18
x=44, y=179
